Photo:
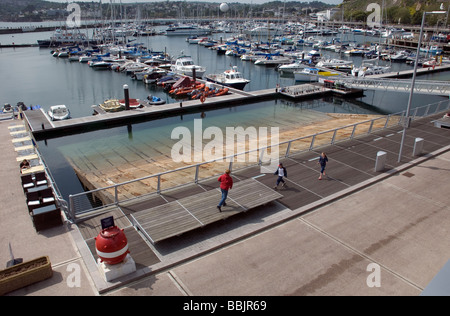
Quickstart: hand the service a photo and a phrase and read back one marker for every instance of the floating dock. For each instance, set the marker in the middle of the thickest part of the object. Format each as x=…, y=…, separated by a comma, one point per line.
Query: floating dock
x=41, y=125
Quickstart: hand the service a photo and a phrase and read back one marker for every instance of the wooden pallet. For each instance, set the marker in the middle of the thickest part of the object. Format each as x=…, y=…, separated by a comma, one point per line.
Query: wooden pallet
x=192, y=212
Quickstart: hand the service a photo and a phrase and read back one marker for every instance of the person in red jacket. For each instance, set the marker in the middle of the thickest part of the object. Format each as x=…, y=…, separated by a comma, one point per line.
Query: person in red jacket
x=226, y=183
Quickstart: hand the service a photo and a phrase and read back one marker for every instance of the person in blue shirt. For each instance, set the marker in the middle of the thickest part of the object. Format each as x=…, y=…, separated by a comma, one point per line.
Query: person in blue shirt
x=323, y=159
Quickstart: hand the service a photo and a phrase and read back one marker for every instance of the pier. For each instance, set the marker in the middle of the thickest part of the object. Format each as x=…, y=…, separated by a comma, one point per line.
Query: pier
x=41, y=125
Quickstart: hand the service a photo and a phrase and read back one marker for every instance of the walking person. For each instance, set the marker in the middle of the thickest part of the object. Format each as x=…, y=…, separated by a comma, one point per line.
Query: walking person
x=226, y=183
x=323, y=159
x=280, y=172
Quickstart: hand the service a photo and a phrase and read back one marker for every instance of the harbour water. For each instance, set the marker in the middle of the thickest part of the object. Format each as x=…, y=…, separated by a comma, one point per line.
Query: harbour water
x=33, y=76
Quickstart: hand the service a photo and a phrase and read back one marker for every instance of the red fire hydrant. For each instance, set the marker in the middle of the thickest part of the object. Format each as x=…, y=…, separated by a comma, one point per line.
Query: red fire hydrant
x=111, y=245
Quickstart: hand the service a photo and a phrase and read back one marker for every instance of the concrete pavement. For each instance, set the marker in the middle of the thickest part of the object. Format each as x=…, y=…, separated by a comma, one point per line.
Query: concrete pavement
x=399, y=224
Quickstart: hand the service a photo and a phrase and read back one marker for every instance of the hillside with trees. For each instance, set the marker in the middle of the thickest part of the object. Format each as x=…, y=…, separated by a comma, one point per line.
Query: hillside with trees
x=39, y=10
x=393, y=11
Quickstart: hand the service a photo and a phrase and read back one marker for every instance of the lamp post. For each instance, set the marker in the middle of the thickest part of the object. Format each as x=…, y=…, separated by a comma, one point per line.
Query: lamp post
x=407, y=120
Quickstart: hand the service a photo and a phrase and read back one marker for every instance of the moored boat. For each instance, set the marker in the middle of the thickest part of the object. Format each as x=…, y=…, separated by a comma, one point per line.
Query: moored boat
x=230, y=78
x=111, y=105
x=298, y=65
x=134, y=103
x=66, y=37
x=99, y=65
x=154, y=100
x=58, y=112
x=186, y=30
x=184, y=65
x=313, y=74
x=271, y=60
x=369, y=69
x=7, y=108
x=336, y=64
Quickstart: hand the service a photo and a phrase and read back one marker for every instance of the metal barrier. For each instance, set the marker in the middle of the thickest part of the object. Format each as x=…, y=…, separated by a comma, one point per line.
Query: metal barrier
x=94, y=201
x=398, y=85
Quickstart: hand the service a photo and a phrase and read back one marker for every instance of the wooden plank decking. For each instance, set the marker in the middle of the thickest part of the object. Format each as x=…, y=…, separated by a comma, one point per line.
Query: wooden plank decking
x=192, y=212
x=351, y=162
x=37, y=120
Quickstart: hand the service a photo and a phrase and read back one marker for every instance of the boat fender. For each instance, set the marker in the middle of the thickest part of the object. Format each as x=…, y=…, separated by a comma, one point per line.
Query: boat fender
x=202, y=99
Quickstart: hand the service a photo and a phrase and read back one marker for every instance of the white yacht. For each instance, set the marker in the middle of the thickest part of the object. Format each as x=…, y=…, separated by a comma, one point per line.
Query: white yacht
x=369, y=69
x=186, y=30
x=230, y=78
x=133, y=67
x=250, y=57
x=291, y=68
x=85, y=58
x=58, y=112
x=313, y=75
x=184, y=65
x=336, y=64
x=272, y=60
x=65, y=38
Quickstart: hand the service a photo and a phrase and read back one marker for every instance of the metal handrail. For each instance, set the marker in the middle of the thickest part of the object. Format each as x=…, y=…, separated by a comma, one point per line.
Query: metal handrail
x=217, y=160
x=230, y=158
x=402, y=85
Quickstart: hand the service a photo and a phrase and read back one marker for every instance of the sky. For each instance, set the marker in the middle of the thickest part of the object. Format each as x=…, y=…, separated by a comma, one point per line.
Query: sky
x=241, y=1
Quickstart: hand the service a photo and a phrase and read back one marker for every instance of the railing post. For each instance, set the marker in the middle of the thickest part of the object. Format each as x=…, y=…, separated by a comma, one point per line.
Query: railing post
x=72, y=208
x=158, y=188
x=334, y=137
x=353, y=131
x=370, y=127
x=415, y=113
x=196, y=173
x=427, y=110
x=116, y=195
x=288, y=149
x=230, y=166
x=437, y=107
x=402, y=118
x=387, y=121
x=261, y=155
x=311, y=146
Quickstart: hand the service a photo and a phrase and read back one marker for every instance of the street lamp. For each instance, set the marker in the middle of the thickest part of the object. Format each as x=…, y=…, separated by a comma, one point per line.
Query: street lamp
x=407, y=121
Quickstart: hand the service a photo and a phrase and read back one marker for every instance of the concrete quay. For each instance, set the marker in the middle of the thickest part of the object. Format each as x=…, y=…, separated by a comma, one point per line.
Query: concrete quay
x=394, y=223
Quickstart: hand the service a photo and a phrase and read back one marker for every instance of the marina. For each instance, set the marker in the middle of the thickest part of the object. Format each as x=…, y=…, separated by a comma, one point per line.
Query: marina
x=117, y=163
x=283, y=88
x=41, y=123
x=139, y=64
